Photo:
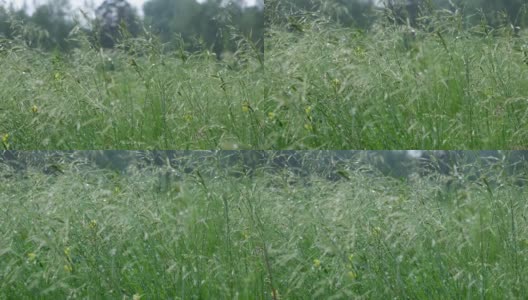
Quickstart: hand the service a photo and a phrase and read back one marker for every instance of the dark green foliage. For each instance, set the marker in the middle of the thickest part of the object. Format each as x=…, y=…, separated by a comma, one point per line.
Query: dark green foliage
x=47, y=28
x=403, y=12
x=115, y=19
x=215, y=26
x=184, y=25
x=210, y=25
x=364, y=13
x=346, y=12
x=506, y=11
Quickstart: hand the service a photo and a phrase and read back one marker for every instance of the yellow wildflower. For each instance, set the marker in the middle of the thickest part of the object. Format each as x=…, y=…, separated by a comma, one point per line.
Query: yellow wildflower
x=246, y=107
x=67, y=251
x=316, y=263
x=68, y=268
x=271, y=115
x=308, y=111
x=188, y=117
x=336, y=82
x=92, y=224
x=5, y=141
x=34, y=109
x=352, y=275
x=376, y=231
x=32, y=256
x=245, y=234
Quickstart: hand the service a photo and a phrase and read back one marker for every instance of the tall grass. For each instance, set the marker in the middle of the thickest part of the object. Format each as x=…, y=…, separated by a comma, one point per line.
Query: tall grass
x=441, y=86
x=392, y=87
x=137, y=96
x=275, y=235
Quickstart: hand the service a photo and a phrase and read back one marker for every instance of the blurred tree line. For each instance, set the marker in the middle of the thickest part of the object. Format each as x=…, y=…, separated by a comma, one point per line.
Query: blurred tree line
x=471, y=165
x=213, y=24
x=475, y=166
x=364, y=13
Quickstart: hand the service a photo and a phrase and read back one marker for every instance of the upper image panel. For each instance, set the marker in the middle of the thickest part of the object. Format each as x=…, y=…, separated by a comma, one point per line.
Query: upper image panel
x=132, y=74
x=336, y=74
x=391, y=74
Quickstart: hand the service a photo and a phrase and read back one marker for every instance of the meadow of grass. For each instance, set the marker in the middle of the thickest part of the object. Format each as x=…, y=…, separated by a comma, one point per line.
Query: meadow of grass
x=135, y=97
x=91, y=233
x=320, y=86
x=442, y=87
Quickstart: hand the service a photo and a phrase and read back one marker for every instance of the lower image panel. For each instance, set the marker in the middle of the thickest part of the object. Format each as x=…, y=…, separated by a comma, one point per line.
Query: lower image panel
x=263, y=224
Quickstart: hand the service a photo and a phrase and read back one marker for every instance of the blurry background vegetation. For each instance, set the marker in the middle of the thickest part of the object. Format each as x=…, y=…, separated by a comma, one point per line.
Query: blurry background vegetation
x=364, y=13
x=211, y=23
x=452, y=165
x=185, y=24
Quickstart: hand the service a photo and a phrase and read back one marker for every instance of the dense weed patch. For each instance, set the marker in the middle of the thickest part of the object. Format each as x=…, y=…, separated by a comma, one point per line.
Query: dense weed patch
x=393, y=87
x=87, y=232
x=440, y=86
x=134, y=97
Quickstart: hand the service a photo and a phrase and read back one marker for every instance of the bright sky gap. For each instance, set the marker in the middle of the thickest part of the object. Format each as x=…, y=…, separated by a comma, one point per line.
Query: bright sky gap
x=88, y=5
